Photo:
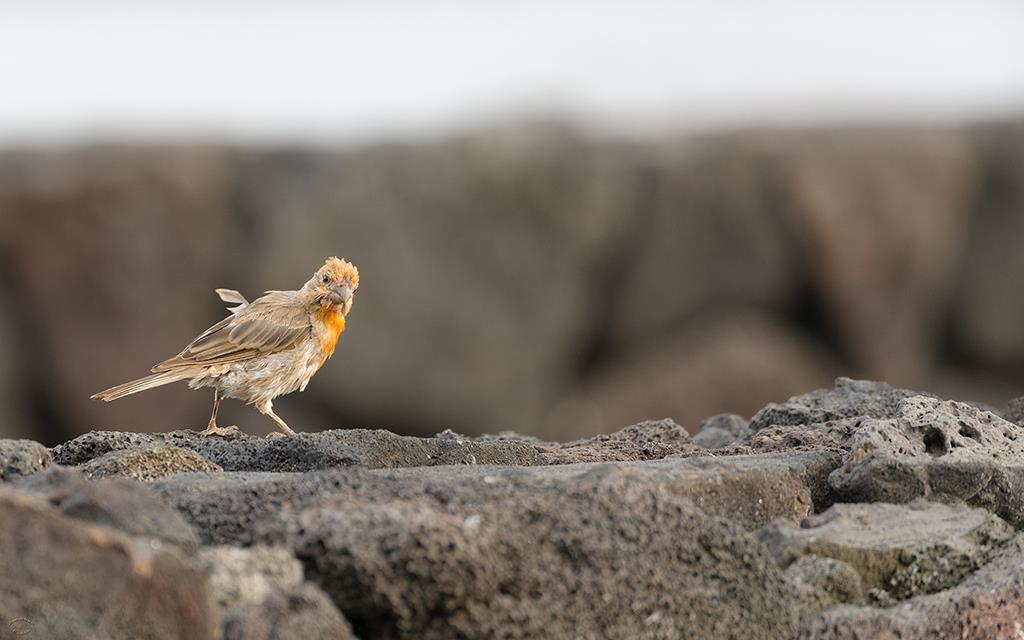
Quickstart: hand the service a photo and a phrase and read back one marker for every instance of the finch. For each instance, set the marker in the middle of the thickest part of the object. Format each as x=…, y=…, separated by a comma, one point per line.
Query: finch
x=266, y=348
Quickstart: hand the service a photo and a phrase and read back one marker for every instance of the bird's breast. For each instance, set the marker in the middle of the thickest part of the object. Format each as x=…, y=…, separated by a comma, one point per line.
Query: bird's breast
x=332, y=323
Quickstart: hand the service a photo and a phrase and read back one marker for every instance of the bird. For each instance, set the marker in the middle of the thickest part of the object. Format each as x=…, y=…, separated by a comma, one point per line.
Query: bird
x=266, y=348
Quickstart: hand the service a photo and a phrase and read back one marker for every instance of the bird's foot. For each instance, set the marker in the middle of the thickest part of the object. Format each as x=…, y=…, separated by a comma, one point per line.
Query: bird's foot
x=273, y=435
x=224, y=432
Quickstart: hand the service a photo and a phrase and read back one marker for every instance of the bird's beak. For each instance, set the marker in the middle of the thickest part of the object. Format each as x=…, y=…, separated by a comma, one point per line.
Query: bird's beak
x=340, y=293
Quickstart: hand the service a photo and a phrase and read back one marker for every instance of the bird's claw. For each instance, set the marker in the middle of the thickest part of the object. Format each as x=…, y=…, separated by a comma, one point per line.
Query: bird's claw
x=224, y=432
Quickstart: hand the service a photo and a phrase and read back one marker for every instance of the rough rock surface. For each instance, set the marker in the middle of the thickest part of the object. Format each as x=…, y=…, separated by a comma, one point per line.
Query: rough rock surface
x=848, y=399
x=246, y=576
x=524, y=560
x=898, y=551
x=303, y=613
x=147, y=463
x=988, y=604
x=64, y=578
x=751, y=490
x=876, y=513
x=821, y=583
x=938, y=449
x=650, y=440
x=22, y=458
x=306, y=451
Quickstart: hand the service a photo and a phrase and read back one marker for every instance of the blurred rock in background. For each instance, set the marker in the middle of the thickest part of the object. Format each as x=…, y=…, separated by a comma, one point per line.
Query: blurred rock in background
x=530, y=278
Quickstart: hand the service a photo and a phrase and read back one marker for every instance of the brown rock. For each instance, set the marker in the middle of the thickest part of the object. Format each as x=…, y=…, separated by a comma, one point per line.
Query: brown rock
x=64, y=578
x=304, y=613
x=989, y=604
x=129, y=508
x=650, y=440
x=147, y=463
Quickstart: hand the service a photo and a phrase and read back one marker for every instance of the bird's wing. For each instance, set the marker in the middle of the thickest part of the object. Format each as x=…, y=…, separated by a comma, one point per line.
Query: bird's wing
x=270, y=324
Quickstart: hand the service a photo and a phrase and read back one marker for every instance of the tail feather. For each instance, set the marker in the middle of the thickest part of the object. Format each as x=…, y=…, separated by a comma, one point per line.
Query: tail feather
x=149, y=382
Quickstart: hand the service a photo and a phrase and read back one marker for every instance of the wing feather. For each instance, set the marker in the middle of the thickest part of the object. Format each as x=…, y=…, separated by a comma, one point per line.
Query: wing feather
x=272, y=323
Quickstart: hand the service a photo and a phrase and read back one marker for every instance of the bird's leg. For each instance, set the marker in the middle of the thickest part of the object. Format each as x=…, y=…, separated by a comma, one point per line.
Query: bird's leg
x=266, y=409
x=216, y=406
x=212, y=428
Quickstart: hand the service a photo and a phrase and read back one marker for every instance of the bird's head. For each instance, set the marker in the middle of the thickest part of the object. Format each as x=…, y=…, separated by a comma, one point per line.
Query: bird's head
x=334, y=284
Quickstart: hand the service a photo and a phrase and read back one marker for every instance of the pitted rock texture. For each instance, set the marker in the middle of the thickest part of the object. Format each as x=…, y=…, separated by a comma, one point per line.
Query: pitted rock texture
x=848, y=399
x=751, y=491
x=940, y=450
x=22, y=458
x=306, y=451
x=987, y=605
x=899, y=551
x=893, y=517
x=147, y=463
x=538, y=559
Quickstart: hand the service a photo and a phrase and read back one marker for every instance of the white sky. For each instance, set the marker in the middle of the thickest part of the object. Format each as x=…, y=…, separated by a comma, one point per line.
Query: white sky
x=328, y=72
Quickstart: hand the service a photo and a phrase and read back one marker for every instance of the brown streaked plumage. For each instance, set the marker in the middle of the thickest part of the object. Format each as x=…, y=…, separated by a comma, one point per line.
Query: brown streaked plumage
x=266, y=348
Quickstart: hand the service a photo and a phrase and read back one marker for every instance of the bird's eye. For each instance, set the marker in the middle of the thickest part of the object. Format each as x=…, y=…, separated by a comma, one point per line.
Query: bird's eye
x=326, y=278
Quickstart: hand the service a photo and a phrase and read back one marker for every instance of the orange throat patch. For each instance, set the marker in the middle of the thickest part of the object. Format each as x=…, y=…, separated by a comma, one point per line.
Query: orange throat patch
x=333, y=323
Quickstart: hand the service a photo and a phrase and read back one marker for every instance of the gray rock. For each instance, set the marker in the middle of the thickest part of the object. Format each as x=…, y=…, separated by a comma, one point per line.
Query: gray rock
x=988, y=604
x=55, y=484
x=1014, y=411
x=821, y=583
x=247, y=576
x=22, y=458
x=511, y=558
x=938, y=449
x=648, y=440
x=129, y=507
x=721, y=430
x=307, y=451
x=226, y=507
x=899, y=551
x=751, y=491
x=848, y=399
x=147, y=463
x=64, y=578
x=303, y=613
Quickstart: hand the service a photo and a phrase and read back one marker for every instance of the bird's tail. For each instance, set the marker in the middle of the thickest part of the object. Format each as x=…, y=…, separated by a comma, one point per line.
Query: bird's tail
x=135, y=386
